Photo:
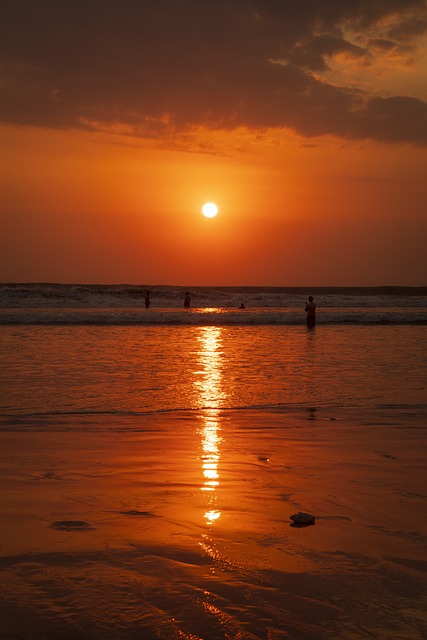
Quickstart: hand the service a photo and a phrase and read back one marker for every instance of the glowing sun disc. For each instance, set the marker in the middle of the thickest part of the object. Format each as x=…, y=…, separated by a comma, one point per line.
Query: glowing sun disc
x=209, y=210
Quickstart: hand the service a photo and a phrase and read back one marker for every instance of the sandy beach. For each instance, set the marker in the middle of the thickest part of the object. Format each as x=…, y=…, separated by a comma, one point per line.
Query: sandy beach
x=177, y=526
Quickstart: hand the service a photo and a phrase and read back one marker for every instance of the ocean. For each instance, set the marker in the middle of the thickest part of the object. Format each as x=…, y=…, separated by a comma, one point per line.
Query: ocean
x=96, y=349
x=150, y=460
x=219, y=306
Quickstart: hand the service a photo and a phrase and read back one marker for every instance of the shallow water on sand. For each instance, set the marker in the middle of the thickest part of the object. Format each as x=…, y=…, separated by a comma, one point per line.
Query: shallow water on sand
x=145, y=369
x=149, y=474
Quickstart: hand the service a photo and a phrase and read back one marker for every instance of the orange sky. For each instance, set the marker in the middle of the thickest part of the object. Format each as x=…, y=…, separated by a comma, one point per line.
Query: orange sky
x=320, y=177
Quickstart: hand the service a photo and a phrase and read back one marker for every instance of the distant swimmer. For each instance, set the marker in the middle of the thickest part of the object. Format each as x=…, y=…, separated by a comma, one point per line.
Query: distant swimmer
x=147, y=300
x=242, y=306
x=187, y=300
x=310, y=309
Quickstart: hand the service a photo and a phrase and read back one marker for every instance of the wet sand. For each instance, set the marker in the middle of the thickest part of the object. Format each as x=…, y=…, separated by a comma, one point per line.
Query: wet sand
x=177, y=526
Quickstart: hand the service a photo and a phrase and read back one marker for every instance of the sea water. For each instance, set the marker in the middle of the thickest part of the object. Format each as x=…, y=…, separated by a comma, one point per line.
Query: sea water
x=95, y=348
x=219, y=306
x=120, y=370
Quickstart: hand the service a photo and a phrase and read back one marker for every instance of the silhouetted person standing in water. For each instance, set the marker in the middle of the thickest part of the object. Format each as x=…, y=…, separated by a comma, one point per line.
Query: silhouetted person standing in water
x=147, y=300
x=187, y=300
x=310, y=309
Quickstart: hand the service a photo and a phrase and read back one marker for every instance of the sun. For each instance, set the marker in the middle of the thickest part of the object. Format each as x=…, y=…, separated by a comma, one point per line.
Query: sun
x=209, y=210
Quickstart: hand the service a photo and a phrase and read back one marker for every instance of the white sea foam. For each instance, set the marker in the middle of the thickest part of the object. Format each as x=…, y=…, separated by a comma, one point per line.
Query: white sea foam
x=124, y=304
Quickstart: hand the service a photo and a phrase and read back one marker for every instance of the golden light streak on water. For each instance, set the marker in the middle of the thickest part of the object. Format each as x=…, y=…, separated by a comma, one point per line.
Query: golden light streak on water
x=211, y=395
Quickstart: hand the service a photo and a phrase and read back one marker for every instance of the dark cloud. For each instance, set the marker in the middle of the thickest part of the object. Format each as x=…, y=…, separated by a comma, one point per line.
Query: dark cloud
x=312, y=54
x=413, y=26
x=163, y=66
x=382, y=43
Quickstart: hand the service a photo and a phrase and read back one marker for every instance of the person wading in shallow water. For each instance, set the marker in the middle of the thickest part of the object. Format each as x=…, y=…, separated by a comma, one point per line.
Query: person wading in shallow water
x=147, y=300
x=187, y=300
x=310, y=309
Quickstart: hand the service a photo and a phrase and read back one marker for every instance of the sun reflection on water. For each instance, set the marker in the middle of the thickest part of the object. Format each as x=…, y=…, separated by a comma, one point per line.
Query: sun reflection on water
x=210, y=395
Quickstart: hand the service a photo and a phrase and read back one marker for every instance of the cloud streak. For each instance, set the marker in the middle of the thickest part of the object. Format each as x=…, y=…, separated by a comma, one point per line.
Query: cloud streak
x=152, y=69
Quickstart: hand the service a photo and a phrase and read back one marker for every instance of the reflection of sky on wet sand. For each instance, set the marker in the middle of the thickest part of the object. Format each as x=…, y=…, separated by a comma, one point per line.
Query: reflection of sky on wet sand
x=210, y=394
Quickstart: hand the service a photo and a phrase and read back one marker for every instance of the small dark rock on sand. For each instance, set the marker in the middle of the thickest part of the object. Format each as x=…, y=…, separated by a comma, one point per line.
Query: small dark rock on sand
x=71, y=525
x=301, y=519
